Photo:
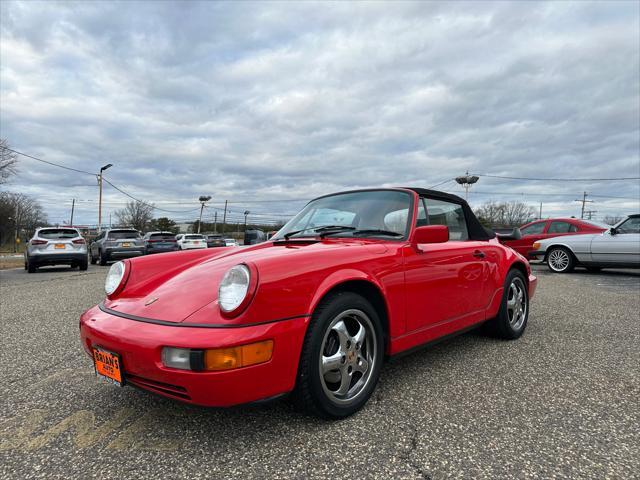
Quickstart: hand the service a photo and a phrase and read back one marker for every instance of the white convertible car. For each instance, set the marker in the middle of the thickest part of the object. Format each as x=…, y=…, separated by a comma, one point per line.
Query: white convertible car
x=618, y=247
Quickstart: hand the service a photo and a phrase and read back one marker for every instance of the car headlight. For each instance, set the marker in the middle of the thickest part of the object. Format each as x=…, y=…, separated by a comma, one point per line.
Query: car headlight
x=114, y=277
x=234, y=288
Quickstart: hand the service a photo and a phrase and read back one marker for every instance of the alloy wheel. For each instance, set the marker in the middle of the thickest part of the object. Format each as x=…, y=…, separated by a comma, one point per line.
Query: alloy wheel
x=559, y=260
x=517, y=304
x=348, y=353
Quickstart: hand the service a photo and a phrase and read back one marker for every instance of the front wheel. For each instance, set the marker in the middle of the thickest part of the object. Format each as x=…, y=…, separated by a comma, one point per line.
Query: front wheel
x=103, y=258
x=341, y=357
x=560, y=260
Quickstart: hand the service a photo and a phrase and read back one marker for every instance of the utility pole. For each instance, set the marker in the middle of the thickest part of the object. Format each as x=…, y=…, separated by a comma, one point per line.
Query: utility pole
x=540, y=215
x=73, y=206
x=224, y=219
x=215, y=222
x=202, y=199
x=584, y=202
x=590, y=213
x=108, y=165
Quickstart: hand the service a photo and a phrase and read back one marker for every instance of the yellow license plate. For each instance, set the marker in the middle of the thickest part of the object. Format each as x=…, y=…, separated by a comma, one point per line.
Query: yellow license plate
x=108, y=366
x=59, y=245
x=126, y=244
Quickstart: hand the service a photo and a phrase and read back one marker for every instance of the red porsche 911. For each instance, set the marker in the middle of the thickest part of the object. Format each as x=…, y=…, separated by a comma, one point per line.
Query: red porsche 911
x=354, y=278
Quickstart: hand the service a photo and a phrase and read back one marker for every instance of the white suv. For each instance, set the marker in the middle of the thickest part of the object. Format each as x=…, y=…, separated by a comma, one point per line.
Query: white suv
x=56, y=246
x=189, y=241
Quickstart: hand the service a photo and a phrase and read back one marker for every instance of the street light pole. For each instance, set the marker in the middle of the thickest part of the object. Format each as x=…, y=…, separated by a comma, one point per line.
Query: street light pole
x=202, y=199
x=466, y=181
x=246, y=212
x=108, y=165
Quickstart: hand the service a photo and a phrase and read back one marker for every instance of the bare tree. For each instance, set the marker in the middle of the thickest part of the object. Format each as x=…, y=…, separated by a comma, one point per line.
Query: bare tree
x=8, y=161
x=136, y=214
x=612, y=219
x=505, y=214
x=19, y=215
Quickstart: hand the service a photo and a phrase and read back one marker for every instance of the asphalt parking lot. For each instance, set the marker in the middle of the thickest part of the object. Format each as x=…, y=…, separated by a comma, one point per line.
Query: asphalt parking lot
x=561, y=402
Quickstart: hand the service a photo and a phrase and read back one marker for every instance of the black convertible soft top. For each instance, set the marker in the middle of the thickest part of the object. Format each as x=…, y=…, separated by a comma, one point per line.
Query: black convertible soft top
x=475, y=228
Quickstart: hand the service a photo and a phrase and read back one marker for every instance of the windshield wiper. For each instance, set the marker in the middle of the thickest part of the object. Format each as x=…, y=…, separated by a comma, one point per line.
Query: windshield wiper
x=376, y=231
x=326, y=228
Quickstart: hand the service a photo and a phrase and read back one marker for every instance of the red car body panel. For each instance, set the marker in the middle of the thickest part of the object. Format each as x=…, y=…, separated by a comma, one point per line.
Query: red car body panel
x=524, y=246
x=426, y=292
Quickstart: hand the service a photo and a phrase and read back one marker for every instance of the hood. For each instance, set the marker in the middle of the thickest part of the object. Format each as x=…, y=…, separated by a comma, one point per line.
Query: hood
x=177, y=286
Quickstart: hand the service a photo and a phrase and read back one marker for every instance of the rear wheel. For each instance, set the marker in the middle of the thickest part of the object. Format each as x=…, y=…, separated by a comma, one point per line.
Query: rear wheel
x=512, y=317
x=31, y=268
x=341, y=357
x=560, y=260
x=84, y=264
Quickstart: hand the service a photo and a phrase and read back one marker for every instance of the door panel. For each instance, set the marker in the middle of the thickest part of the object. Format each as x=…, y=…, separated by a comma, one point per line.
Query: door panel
x=622, y=248
x=444, y=281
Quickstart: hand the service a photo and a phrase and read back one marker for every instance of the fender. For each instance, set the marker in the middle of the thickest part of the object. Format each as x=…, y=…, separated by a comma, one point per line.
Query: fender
x=342, y=276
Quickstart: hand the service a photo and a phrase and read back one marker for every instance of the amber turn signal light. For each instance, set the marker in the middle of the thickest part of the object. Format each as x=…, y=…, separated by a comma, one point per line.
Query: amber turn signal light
x=536, y=245
x=236, y=357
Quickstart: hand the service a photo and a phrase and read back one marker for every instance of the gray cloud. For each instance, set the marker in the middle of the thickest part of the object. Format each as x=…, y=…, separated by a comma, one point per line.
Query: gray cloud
x=291, y=100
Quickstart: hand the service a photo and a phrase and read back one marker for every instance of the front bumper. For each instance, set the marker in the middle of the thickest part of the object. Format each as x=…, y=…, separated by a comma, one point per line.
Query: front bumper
x=61, y=258
x=534, y=254
x=140, y=345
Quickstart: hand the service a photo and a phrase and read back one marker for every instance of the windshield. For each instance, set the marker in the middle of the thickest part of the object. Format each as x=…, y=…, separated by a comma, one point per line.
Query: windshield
x=120, y=234
x=162, y=236
x=372, y=213
x=194, y=237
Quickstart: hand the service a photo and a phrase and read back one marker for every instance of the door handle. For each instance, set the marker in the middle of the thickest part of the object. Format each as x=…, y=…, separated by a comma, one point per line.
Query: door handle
x=478, y=254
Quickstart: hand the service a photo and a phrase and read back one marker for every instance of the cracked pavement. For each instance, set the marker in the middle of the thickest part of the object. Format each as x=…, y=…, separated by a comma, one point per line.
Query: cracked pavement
x=561, y=402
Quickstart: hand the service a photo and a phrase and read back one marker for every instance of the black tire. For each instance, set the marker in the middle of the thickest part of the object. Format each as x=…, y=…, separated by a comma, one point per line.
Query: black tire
x=313, y=392
x=560, y=260
x=104, y=258
x=31, y=268
x=92, y=259
x=504, y=325
x=83, y=265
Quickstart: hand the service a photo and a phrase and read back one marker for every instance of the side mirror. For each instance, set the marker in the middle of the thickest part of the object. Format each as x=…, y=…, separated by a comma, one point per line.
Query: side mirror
x=431, y=234
x=613, y=231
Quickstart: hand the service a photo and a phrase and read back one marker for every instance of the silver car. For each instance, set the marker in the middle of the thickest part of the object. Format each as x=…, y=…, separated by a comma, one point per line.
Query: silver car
x=618, y=247
x=115, y=244
x=56, y=246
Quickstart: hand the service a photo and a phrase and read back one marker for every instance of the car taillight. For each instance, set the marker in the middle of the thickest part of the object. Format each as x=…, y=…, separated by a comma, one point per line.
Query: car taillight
x=152, y=241
x=39, y=242
x=79, y=241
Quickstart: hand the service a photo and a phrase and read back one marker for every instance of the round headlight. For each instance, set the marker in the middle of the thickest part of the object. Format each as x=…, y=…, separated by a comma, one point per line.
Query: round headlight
x=234, y=287
x=114, y=277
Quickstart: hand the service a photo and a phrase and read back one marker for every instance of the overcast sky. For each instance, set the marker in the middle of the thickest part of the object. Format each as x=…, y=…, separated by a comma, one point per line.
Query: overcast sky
x=271, y=101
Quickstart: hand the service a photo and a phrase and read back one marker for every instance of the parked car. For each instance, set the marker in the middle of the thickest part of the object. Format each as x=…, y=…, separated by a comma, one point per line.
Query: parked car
x=252, y=237
x=115, y=244
x=355, y=277
x=215, y=240
x=230, y=242
x=56, y=246
x=189, y=241
x=552, y=227
x=158, y=242
x=617, y=247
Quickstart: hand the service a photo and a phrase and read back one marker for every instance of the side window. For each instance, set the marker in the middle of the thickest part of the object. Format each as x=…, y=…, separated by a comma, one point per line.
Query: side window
x=632, y=225
x=573, y=228
x=533, y=229
x=421, y=221
x=449, y=214
x=560, y=227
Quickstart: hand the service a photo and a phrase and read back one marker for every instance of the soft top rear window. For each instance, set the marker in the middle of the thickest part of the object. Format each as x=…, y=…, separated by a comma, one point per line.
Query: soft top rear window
x=119, y=234
x=54, y=233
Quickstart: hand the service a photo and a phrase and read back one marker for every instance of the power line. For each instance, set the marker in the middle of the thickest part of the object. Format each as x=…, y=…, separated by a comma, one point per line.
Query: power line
x=559, y=179
x=146, y=203
x=46, y=161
